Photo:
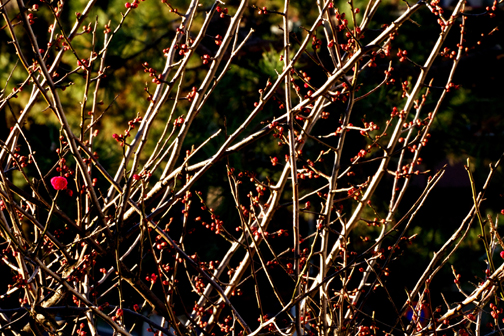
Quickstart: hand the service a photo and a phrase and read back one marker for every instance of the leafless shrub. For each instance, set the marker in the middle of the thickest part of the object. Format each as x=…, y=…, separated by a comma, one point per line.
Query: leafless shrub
x=71, y=273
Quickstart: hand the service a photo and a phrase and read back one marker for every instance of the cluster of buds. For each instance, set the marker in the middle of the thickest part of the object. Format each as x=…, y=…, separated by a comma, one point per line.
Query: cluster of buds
x=181, y=31
x=172, y=9
x=47, y=245
x=340, y=129
x=245, y=213
x=18, y=280
x=236, y=292
x=179, y=121
x=88, y=262
x=304, y=76
x=80, y=331
x=152, y=73
x=132, y=5
x=226, y=327
x=85, y=29
x=222, y=11
x=270, y=327
x=354, y=192
x=161, y=243
x=23, y=161
x=208, y=266
x=405, y=171
x=119, y=138
x=186, y=200
x=395, y=112
x=95, y=154
x=20, y=215
x=62, y=167
x=450, y=86
x=390, y=81
x=215, y=225
x=339, y=16
x=218, y=40
x=190, y=96
x=183, y=49
x=414, y=123
x=392, y=35
x=213, y=264
x=362, y=153
x=371, y=126
x=491, y=10
x=119, y=313
x=443, y=24
x=262, y=11
x=446, y=52
x=166, y=267
x=273, y=124
x=386, y=50
x=271, y=263
x=495, y=311
x=151, y=278
x=12, y=252
x=436, y=8
x=405, y=87
x=59, y=38
x=260, y=190
x=375, y=222
x=306, y=173
x=132, y=123
x=200, y=286
x=343, y=21
x=58, y=9
x=31, y=18
x=316, y=43
x=76, y=300
x=348, y=46
x=402, y=55
x=83, y=63
x=278, y=130
x=205, y=58
x=363, y=331
x=280, y=233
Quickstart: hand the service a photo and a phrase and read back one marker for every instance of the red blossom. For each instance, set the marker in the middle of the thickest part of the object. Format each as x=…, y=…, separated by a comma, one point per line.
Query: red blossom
x=59, y=182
